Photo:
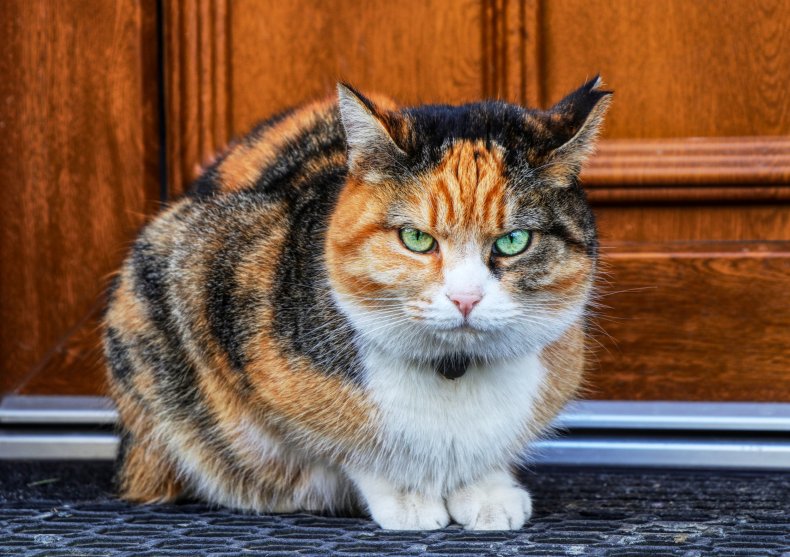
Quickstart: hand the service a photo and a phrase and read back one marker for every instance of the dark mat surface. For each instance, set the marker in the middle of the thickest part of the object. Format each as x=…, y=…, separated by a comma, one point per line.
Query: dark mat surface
x=53, y=509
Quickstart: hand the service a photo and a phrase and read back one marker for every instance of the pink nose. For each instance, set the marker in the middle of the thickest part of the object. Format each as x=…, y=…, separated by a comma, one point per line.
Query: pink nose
x=465, y=301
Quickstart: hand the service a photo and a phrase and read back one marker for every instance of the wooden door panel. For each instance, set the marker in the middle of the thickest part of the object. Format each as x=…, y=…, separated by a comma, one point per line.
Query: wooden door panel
x=656, y=223
x=680, y=68
x=79, y=172
x=414, y=50
x=694, y=322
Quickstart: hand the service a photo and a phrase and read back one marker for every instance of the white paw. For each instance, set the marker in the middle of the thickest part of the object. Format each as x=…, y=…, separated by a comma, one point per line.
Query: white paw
x=497, y=503
x=409, y=511
x=396, y=509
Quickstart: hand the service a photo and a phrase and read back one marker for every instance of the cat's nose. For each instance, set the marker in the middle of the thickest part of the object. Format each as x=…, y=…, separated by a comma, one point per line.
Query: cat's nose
x=465, y=301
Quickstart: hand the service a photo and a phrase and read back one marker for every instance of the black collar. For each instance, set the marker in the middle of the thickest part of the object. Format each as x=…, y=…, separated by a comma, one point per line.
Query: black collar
x=452, y=366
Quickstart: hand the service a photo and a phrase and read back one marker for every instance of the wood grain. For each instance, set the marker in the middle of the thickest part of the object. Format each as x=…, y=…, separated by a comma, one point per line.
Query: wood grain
x=504, y=64
x=73, y=366
x=695, y=322
x=416, y=51
x=197, y=82
x=689, y=194
x=80, y=164
x=533, y=70
x=678, y=68
x=652, y=223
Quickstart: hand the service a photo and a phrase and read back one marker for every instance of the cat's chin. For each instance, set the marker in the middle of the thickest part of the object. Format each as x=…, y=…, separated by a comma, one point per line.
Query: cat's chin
x=465, y=328
x=478, y=344
x=467, y=331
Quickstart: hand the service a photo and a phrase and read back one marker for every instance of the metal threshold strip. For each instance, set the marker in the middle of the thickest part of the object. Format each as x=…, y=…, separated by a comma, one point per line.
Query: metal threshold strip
x=599, y=433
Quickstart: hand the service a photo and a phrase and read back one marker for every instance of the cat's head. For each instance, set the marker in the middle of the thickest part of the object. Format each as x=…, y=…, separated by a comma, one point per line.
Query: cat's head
x=463, y=229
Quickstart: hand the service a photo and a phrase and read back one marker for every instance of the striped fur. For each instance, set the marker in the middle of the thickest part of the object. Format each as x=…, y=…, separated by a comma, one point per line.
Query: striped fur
x=274, y=346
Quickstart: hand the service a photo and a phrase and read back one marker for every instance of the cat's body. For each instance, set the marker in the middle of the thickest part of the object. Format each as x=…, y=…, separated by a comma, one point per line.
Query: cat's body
x=273, y=346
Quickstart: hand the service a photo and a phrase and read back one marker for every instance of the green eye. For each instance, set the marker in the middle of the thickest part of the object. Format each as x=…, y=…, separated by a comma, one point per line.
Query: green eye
x=512, y=243
x=417, y=240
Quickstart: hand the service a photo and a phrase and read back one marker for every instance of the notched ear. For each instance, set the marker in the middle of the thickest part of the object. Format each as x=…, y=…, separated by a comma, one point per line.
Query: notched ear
x=574, y=123
x=370, y=134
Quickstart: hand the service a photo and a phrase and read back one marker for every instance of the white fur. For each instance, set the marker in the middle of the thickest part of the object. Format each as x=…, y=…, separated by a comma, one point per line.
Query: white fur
x=253, y=440
x=496, y=502
x=441, y=435
x=396, y=509
x=327, y=487
x=450, y=440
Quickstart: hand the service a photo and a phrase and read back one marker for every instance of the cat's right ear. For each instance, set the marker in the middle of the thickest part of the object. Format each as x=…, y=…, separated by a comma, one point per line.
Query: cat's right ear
x=370, y=134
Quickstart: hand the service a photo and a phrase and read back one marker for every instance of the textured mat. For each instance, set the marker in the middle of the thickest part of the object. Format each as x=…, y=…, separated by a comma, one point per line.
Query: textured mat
x=53, y=509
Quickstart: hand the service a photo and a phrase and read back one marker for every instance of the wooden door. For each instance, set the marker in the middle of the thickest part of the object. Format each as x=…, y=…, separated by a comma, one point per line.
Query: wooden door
x=79, y=172
x=690, y=185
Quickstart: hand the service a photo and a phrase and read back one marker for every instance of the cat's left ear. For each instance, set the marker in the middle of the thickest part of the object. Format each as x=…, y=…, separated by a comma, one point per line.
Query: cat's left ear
x=574, y=123
x=371, y=133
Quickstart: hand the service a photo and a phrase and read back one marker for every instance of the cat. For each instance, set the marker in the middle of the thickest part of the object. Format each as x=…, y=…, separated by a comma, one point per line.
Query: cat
x=361, y=306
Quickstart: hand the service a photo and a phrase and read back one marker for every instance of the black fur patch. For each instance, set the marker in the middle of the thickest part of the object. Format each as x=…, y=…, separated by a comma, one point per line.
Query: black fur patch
x=118, y=356
x=278, y=180
x=231, y=314
x=207, y=184
x=307, y=320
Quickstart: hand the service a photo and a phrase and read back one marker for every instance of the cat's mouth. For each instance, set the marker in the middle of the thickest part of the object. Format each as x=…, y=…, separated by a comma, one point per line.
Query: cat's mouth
x=464, y=328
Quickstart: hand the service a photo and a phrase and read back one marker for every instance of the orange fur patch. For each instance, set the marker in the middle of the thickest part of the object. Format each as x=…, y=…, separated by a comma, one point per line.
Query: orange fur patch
x=245, y=163
x=148, y=476
x=471, y=185
x=564, y=362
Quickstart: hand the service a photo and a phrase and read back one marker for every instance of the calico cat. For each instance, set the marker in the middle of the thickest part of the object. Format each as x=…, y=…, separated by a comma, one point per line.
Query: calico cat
x=361, y=306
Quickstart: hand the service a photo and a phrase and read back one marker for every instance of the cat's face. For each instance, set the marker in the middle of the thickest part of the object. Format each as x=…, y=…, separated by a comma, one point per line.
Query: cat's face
x=448, y=239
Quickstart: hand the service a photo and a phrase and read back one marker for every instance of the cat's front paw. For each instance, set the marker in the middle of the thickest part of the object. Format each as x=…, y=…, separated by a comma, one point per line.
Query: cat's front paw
x=496, y=503
x=394, y=508
x=409, y=511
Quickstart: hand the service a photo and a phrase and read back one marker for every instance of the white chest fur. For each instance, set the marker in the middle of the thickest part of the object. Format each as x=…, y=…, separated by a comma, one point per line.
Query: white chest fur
x=437, y=433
